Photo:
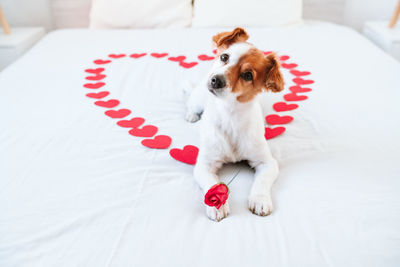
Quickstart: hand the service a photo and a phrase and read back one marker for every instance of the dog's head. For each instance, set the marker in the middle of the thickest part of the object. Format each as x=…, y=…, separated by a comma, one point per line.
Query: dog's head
x=241, y=69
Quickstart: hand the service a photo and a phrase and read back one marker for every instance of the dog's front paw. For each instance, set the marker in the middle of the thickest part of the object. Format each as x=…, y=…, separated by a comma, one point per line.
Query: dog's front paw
x=218, y=214
x=260, y=205
x=192, y=117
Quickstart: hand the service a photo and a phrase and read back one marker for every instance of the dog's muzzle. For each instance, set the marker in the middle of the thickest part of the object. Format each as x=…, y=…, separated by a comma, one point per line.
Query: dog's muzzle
x=217, y=82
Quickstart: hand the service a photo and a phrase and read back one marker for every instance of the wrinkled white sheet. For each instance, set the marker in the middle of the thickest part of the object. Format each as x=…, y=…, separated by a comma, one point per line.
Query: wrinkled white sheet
x=77, y=190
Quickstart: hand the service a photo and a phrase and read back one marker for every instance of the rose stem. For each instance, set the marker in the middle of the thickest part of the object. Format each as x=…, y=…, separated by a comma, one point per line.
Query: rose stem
x=233, y=177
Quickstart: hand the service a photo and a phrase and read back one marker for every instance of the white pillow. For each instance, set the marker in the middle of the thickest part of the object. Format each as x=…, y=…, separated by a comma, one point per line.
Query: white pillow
x=140, y=13
x=70, y=13
x=232, y=13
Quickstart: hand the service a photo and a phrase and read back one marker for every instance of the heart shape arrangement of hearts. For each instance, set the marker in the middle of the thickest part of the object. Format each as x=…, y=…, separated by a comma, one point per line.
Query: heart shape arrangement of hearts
x=188, y=154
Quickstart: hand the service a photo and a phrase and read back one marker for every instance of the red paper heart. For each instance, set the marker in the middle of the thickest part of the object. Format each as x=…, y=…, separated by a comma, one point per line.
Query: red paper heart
x=301, y=81
x=276, y=119
x=289, y=66
x=116, y=55
x=186, y=155
x=273, y=132
x=94, y=85
x=282, y=106
x=205, y=57
x=145, y=131
x=159, y=142
x=294, y=97
x=96, y=77
x=177, y=59
x=118, y=114
x=159, y=55
x=134, y=55
x=267, y=52
x=283, y=58
x=215, y=51
x=95, y=71
x=187, y=65
x=101, y=62
x=132, y=123
x=112, y=103
x=298, y=89
x=98, y=95
x=299, y=73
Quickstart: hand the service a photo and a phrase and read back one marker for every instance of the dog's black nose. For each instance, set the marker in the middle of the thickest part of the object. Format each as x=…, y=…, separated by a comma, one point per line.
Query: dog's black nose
x=218, y=82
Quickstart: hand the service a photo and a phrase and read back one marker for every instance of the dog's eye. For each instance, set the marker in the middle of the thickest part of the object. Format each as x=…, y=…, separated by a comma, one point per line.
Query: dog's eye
x=224, y=58
x=247, y=76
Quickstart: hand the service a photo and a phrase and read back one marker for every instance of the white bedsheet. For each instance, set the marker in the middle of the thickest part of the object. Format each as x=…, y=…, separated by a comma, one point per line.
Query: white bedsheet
x=78, y=190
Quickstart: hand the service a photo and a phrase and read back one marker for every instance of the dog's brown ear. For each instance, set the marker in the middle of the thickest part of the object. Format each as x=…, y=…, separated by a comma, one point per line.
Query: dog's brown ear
x=223, y=40
x=274, y=79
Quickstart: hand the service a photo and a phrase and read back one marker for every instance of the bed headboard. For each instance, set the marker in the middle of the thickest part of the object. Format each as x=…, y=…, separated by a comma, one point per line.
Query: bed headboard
x=53, y=14
x=75, y=13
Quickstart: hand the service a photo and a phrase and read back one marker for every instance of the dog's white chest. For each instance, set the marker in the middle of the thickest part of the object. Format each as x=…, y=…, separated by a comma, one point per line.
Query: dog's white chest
x=231, y=134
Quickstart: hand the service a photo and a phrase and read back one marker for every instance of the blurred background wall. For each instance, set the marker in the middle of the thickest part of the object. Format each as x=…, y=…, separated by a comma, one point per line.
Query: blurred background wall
x=352, y=13
x=53, y=14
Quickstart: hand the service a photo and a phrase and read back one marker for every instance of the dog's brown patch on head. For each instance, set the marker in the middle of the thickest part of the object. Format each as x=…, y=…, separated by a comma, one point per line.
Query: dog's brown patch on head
x=225, y=39
x=264, y=71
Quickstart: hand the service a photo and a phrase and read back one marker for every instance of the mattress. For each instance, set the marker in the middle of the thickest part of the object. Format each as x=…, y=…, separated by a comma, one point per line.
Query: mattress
x=79, y=189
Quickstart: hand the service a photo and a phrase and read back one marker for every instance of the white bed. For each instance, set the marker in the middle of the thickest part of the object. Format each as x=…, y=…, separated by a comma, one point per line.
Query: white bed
x=78, y=190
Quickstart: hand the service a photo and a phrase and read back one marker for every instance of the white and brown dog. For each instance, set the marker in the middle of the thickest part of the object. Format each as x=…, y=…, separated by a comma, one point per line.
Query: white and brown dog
x=232, y=118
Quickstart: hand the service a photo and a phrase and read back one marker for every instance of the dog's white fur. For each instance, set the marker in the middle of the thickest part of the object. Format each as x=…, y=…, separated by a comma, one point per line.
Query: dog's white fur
x=231, y=131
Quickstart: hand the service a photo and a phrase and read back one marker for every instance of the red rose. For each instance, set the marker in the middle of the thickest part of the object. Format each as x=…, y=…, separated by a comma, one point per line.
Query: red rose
x=217, y=195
